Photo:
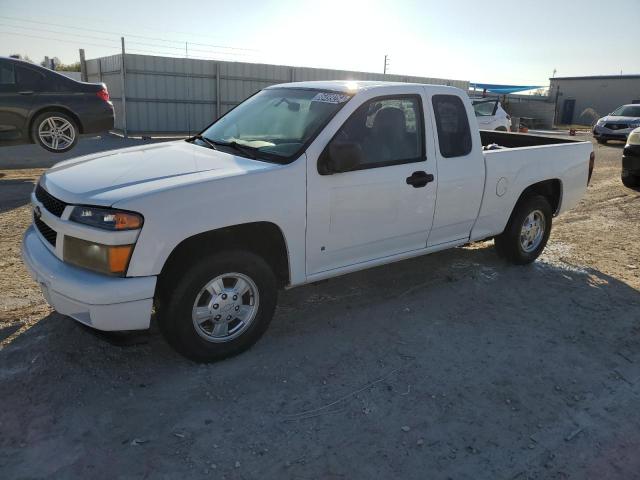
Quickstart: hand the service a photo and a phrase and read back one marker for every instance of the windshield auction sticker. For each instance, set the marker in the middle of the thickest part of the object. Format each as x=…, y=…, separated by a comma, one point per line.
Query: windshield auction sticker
x=330, y=97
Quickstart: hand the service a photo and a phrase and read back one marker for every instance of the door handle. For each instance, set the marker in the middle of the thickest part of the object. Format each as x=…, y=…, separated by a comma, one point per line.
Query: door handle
x=419, y=179
x=26, y=92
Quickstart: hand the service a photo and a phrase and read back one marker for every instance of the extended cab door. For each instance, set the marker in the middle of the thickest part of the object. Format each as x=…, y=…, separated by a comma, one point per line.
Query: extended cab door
x=383, y=205
x=461, y=168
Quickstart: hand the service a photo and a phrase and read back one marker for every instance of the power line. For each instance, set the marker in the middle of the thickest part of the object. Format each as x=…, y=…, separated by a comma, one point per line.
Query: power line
x=75, y=42
x=134, y=49
x=58, y=32
x=120, y=34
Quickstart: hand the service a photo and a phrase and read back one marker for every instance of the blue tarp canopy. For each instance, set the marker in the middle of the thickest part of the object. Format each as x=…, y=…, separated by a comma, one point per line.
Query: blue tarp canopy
x=503, y=89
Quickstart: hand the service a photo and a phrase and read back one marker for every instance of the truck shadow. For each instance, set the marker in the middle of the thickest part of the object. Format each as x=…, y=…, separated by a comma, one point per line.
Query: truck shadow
x=14, y=193
x=442, y=341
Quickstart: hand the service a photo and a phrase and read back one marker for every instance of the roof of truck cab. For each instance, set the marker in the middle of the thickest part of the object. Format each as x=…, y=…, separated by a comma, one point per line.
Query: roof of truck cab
x=345, y=86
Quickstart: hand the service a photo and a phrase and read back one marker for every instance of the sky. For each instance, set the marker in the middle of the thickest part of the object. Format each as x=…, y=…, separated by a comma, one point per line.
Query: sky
x=503, y=42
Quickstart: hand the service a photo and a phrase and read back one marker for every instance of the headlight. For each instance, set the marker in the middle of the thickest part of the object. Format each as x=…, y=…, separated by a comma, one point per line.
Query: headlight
x=106, y=218
x=601, y=122
x=634, y=138
x=109, y=259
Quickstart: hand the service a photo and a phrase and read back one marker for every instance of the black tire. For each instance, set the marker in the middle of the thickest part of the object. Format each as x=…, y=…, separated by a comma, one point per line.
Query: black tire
x=629, y=180
x=508, y=244
x=72, y=131
x=601, y=141
x=176, y=299
x=501, y=129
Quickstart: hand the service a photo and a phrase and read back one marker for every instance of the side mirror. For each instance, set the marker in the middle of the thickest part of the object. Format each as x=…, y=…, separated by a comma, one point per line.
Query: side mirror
x=344, y=156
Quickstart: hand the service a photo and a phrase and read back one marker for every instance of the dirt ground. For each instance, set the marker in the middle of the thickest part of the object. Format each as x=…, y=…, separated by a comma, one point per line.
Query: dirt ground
x=455, y=365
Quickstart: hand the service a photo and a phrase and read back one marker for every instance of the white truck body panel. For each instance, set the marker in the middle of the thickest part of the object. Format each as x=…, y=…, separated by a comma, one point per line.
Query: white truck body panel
x=332, y=224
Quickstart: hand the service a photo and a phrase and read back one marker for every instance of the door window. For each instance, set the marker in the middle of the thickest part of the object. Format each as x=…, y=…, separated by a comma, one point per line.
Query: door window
x=388, y=130
x=484, y=109
x=28, y=79
x=452, y=123
x=7, y=77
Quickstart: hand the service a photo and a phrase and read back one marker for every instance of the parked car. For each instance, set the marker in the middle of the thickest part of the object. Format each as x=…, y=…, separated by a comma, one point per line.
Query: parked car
x=299, y=183
x=631, y=160
x=618, y=124
x=41, y=106
x=491, y=115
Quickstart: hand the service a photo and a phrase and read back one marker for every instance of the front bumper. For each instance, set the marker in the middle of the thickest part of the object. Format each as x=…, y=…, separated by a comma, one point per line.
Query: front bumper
x=603, y=133
x=99, y=301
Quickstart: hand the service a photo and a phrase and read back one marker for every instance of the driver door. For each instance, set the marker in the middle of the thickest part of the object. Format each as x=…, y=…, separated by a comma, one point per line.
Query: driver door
x=383, y=206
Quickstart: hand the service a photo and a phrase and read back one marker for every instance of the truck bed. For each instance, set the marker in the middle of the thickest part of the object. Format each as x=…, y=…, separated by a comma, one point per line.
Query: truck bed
x=518, y=161
x=519, y=140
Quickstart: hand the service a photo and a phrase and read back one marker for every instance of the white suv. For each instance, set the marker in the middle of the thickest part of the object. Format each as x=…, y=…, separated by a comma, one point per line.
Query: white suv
x=490, y=115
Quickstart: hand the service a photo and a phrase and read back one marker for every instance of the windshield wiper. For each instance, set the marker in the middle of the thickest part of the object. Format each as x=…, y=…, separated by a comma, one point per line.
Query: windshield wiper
x=248, y=151
x=204, y=139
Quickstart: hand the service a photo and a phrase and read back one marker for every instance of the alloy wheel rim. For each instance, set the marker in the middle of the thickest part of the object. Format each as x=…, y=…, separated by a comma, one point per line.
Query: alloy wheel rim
x=532, y=231
x=56, y=133
x=225, y=307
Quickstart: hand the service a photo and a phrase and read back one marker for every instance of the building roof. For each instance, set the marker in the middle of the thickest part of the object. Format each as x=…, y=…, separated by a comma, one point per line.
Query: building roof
x=598, y=77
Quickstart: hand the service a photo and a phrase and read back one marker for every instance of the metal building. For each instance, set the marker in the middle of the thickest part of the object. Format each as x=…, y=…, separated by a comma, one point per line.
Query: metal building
x=176, y=95
x=582, y=100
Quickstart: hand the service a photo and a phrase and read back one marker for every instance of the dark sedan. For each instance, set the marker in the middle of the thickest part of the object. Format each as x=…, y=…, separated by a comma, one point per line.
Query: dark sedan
x=41, y=106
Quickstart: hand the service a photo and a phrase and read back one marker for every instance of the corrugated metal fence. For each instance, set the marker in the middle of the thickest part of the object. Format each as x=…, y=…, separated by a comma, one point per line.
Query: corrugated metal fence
x=170, y=95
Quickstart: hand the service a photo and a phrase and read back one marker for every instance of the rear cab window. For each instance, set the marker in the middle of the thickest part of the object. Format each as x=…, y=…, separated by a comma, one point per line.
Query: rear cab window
x=452, y=124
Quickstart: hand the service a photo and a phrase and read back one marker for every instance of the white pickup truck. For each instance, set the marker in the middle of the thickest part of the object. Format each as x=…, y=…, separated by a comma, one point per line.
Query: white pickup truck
x=299, y=183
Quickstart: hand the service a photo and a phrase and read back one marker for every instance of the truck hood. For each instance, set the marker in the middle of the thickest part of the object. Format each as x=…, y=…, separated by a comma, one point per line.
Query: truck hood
x=108, y=177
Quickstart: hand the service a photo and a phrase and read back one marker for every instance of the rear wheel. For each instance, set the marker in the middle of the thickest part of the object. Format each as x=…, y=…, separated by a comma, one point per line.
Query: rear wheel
x=218, y=306
x=527, y=232
x=55, y=131
x=629, y=180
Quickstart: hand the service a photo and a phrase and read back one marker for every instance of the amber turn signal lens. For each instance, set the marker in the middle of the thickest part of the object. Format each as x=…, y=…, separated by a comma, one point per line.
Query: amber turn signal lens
x=119, y=258
x=109, y=259
x=127, y=221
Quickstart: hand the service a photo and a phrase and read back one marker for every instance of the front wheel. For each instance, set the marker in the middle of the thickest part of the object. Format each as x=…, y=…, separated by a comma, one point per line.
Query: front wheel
x=527, y=232
x=218, y=306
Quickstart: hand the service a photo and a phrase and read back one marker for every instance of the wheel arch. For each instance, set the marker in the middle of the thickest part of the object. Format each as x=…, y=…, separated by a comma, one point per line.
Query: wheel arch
x=550, y=189
x=265, y=239
x=53, y=108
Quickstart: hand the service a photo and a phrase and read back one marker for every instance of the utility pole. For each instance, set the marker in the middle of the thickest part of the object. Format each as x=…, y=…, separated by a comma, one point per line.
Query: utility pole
x=186, y=49
x=386, y=64
x=123, y=96
x=83, y=66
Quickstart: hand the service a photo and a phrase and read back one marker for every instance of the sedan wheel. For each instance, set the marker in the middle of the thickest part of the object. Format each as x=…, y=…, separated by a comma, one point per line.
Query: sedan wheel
x=55, y=131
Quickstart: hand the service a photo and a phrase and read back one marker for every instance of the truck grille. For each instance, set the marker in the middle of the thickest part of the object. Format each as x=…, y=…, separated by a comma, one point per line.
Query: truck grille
x=616, y=126
x=47, y=232
x=50, y=202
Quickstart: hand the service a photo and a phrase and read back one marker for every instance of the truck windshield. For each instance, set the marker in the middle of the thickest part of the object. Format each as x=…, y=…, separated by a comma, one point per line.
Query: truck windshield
x=276, y=123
